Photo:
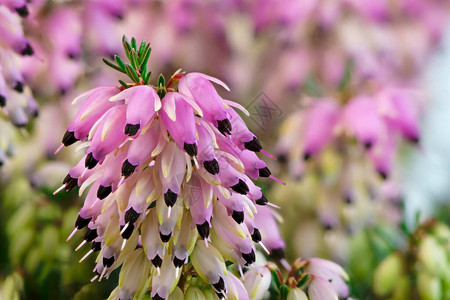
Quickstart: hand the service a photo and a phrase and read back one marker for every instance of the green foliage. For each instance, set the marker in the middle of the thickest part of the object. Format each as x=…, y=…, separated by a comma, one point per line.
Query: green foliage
x=36, y=262
x=138, y=58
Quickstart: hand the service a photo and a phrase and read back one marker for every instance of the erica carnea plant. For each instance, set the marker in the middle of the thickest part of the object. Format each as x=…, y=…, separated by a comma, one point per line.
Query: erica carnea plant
x=169, y=168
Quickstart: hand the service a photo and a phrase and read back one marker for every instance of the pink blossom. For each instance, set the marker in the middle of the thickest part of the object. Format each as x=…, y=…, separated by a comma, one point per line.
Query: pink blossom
x=328, y=278
x=361, y=118
x=322, y=118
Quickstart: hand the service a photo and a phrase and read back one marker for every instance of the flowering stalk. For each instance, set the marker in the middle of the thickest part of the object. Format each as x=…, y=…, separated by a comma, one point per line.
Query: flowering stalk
x=168, y=167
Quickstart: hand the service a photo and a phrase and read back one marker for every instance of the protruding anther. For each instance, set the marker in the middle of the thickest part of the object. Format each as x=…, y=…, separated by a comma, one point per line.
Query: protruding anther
x=80, y=245
x=86, y=255
x=59, y=189
x=264, y=247
x=59, y=149
x=71, y=234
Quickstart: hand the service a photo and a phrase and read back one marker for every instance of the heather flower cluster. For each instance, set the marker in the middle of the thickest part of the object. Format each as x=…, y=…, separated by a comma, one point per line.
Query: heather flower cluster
x=170, y=172
x=377, y=121
x=387, y=42
x=367, y=90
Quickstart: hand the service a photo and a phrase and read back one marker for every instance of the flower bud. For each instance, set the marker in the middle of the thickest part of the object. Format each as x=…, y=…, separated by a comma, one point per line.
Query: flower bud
x=320, y=289
x=184, y=240
x=386, y=274
x=164, y=284
x=194, y=293
x=134, y=273
x=442, y=233
x=176, y=294
x=433, y=256
x=257, y=282
x=235, y=288
x=210, y=294
x=429, y=286
x=297, y=294
x=209, y=264
x=402, y=288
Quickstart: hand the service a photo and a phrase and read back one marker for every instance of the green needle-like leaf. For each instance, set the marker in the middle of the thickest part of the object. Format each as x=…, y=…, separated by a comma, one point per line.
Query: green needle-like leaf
x=112, y=65
x=132, y=74
x=161, y=80
x=275, y=278
x=127, y=48
x=133, y=43
x=142, y=48
x=137, y=67
x=147, y=78
x=145, y=56
x=302, y=281
x=284, y=291
x=133, y=59
x=124, y=84
x=120, y=62
x=143, y=70
x=124, y=40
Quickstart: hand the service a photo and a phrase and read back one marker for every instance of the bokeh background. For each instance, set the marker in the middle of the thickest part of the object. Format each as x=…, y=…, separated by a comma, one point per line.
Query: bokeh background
x=343, y=200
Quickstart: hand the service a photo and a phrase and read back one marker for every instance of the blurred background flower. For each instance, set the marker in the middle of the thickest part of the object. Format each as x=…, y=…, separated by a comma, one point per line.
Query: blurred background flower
x=349, y=95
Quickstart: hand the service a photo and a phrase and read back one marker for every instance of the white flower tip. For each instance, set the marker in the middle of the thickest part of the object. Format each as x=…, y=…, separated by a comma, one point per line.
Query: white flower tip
x=157, y=104
x=115, y=98
x=172, y=116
